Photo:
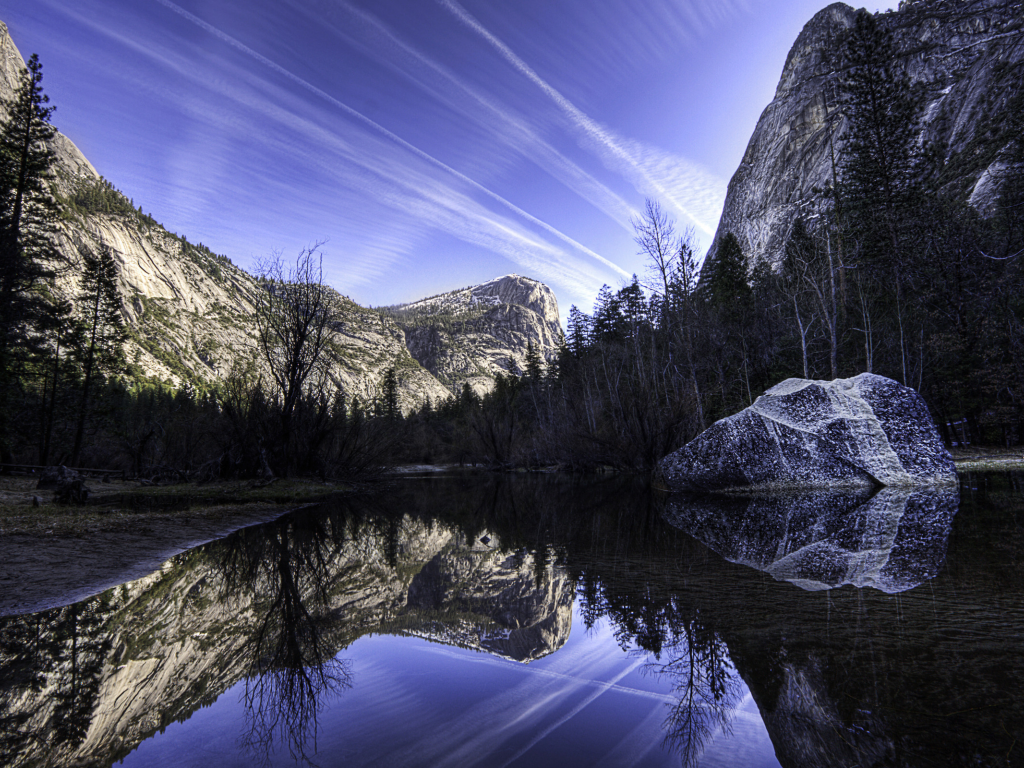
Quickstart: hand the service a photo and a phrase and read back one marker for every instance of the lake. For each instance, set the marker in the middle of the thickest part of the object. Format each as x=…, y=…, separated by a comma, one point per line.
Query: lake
x=510, y=620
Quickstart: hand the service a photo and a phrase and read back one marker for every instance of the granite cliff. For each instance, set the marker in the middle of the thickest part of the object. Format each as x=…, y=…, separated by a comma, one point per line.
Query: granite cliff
x=967, y=56
x=469, y=335
x=189, y=311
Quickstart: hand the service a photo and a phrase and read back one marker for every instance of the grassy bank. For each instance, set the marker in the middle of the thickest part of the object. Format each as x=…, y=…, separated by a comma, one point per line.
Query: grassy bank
x=128, y=505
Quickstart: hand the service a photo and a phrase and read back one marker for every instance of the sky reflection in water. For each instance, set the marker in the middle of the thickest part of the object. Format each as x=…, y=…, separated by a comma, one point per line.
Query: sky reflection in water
x=417, y=703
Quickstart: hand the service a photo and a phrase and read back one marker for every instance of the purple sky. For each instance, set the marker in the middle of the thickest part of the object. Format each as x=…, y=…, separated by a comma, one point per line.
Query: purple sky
x=433, y=144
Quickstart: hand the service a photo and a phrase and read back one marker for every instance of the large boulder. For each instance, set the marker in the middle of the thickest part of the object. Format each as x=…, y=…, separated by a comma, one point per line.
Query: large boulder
x=865, y=431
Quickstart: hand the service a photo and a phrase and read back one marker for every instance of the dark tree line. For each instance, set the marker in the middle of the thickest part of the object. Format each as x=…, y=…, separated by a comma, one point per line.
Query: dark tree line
x=889, y=271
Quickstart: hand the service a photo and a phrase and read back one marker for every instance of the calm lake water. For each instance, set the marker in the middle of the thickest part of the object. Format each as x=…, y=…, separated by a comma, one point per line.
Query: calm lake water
x=537, y=621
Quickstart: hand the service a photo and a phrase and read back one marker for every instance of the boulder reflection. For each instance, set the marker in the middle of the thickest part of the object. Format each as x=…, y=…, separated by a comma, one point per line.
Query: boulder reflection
x=892, y=540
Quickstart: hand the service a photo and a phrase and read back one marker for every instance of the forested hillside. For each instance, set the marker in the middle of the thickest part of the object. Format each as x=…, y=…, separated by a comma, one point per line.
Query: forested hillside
x=875, y=224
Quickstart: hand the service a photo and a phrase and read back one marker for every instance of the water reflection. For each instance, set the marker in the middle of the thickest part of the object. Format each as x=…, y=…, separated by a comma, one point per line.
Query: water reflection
x=891, y=540
x=893, y=675
x=706, y=685
x=291, y=662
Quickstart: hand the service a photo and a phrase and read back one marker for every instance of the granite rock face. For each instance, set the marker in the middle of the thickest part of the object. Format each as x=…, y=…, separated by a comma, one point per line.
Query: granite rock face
x=470, y=335
x=966, y=58
x=891, y=541
x=864, y=431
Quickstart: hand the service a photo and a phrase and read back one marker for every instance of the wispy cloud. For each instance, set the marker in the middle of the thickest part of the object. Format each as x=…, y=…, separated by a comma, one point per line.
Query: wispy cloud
x=511, y=237
x=643, y=166
x=379, y=42
x=532, y=703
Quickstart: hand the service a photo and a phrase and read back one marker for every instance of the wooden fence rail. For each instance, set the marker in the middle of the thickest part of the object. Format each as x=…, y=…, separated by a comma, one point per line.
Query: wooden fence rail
x=32, y=469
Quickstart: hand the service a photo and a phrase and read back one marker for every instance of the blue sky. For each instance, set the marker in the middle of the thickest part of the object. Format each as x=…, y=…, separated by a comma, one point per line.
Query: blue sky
x=432, y=143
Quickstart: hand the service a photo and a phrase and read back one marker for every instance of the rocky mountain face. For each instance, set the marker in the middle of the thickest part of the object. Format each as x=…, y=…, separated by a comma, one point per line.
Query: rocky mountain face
x=190, y=311
x=967, y=56
x=226, y=611
x=469, y=335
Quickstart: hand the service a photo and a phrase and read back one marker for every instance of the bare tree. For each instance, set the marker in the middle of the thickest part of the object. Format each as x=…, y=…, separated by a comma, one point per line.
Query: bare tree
x=294, y=322
x=656, y=235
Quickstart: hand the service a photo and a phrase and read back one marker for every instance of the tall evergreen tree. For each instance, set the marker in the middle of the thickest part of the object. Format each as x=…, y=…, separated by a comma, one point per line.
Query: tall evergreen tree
x=578, y=330
x=100, y=303
x=607, y=323
x=534, y=365
x=28, y=221
x=632, y=305
x=879, y=169
x=726, y=280
x=389, y=394
x=881, y=153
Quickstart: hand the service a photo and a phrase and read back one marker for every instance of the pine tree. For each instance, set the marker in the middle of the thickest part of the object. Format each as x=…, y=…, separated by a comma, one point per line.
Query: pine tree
x=100, y=303
x=878, y=177
x=389, y=396
x=607, y=323
x=632, y=305
x=881, y=154
x=578, y=331
x=726, y=280
x=534, y=365
x=468, y=399
x=28, y=221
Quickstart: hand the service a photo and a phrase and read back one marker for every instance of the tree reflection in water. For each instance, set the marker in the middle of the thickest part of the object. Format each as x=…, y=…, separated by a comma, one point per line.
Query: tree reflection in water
x=65, y=649
x=679, y=648
x=293, y=667
x=706, y=685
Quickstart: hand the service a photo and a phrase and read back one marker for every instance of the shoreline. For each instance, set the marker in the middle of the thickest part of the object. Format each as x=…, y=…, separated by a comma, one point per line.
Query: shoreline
x=125, y=505
x=988, y=459
x=53, y=555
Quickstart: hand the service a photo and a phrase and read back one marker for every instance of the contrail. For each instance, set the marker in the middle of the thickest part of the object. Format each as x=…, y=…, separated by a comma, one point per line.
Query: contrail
x=583, y=183
x=223, y=36
x=580, y=119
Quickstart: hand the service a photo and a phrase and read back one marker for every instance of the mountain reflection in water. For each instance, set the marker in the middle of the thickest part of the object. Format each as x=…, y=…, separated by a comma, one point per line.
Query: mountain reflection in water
x=845, y=676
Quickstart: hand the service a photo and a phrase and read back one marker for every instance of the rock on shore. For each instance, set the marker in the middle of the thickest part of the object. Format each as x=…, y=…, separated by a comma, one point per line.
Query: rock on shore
x=864, y=431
